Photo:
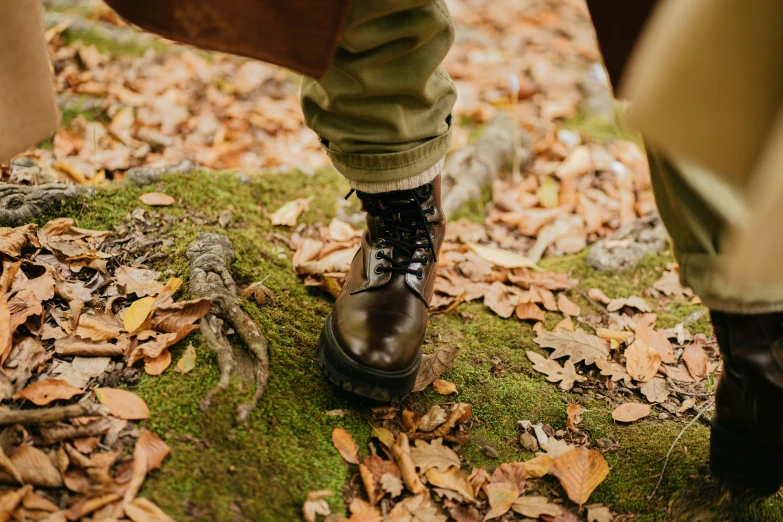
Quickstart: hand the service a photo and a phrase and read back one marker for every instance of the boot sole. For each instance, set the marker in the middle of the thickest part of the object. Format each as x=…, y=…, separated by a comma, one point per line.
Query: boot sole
x=358, y=379
x=743, y=463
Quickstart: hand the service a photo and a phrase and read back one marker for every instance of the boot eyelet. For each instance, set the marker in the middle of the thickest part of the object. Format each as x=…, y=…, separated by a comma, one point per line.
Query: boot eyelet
x=420, y=275
x=378, y=254
x=426, y=261
x=378, y=269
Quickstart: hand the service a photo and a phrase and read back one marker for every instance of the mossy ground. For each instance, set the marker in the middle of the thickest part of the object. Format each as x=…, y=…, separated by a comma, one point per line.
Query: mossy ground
x=261, y=470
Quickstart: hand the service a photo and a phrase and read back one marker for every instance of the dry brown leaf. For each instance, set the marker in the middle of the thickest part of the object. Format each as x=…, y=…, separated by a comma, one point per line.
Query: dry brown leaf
x=434, y=417
x=261, y=294
x=547, y=298
x=35, y=467
x=452, y=479
x=444, y=387
x=580, y=471
x=99, y=326
x=554, y=448
x=173, y=317
x=402, y=454
x=646, y=333
x=44, y=391
x=578, y=346
x=538, y=466
x=565, y=324
x=433, y=365
x=361, y=511
x=642, y=361
x=433, y=455
x=529, y=311
x=656, y=390
x=577, y=163
x=315, y=505
x=597, y=295
x=410, y=421
x=416, y=509
x=670, y=285
x=613, y=335
x=630, y=412
x=289, y=213
x=36, y=502
x=157, y=199
x=565, y=375
x=501, y=496
x=154, y=447
x=598, y=513
x=502, y=258
x=139, y=281
x=678, y=373
x=123, y=404
x=384, y=435
x=372, y=469
x=567, y=306
x=534, y=507
x=633, y=302
x=187, y=362
x=341, y=231
x=72, y=345
x=614, y=370
x=143, y=510
x=10, y=500
x=81, y=508
x=138, y=316
x=500, y=300
x=510, y=472
x=155, y=348
x=552, y=281
x=695, y=359
x=574, y=416
x=345, y=445
x=13, y=240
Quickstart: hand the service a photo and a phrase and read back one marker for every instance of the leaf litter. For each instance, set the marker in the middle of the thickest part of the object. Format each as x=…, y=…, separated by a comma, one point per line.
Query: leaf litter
x=75, y=323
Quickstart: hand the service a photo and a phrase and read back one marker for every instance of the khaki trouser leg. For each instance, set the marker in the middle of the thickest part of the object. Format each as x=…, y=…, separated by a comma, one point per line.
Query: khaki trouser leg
x=698, y=207
x=383, y=109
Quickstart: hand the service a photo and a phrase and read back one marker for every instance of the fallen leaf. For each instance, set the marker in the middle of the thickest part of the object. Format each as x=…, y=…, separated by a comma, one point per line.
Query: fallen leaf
x=534, y=507
x=433, y=365
x=670, y=285
x=500, y=300
x=187, y=362
x=345, y=445
x=633, y=302
x=123, y=404
x=524, y=278
x=13, y=240
x=44, y=391
x=361, y=511
x=598, y=513
x=402, y=454
x=10, y=500
x=160, y=344
x=410, y=421
x=656, y=390
x=574, y=416
x=695, y=360
x=154, y=447
x=6, y=333
x=597, y=295
x=157, y=365
x=261, y=294
x=577, y=163
x=34, y=501
x=143, y=510
x=538, y=466
x=444, y=387
x=554, y=448
x=372, y=469
x=418, y=508
x=687, y=404
x=433, y=455
x=630, y=412
x=567, y=306
x=73, y=345
x=529, y=311
x=35, y=467
x=138, y=281
x=580, y=471
x=614, y=370
x=613, y=335
x=452, y=479
x=157, y=199
x=138, y=316
x=315, y=504
x=565, y=375
x=501, y=497
x=169, y=289
x=176, y=316
x=642, y=361
x=434, y=417
x=502, y=258
x=99, y=326
x=578, y=346
x=341, y=231
x=289, y=213
x=646, y=333
x=392, y=484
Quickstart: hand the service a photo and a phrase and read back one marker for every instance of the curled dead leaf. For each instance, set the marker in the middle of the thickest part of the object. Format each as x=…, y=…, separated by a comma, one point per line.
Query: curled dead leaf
x=444, y=387
x=642, y=361
x=44, y=391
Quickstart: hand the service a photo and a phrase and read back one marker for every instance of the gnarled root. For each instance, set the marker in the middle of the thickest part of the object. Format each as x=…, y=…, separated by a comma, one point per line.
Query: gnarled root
x=210, y=279
x=20, y=204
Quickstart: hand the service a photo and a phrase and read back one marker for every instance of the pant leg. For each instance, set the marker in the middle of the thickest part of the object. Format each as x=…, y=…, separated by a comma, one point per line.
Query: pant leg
x=382, y=111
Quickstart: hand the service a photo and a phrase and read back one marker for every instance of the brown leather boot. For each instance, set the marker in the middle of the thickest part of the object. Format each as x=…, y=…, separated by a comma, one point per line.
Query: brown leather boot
x=371, y=342
x=746, y=447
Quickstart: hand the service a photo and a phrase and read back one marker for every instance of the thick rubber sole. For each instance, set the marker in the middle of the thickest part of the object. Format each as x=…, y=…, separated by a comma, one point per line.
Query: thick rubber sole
x=358, y=379
x=744, y=464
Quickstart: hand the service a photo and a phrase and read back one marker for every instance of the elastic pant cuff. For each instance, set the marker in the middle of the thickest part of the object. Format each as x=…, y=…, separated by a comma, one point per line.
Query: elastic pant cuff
x=402, y=184
x=381, y=168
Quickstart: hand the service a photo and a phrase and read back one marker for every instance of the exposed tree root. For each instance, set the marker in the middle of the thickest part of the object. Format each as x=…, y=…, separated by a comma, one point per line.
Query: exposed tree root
x=149, y=175
x=210, y=279
x=20, y=204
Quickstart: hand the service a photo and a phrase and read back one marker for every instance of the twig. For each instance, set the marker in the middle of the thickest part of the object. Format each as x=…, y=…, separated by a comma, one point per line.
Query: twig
x=44, y=415
x=689, y=394
x=596, y=305
x=68, y=432
x=666, y=462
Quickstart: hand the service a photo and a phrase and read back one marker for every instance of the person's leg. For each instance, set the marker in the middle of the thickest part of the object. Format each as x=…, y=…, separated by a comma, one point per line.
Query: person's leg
x=383, y=115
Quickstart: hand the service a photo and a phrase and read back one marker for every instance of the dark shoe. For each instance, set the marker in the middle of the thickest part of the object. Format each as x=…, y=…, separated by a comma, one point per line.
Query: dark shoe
x=371, y=342
x=746, y=447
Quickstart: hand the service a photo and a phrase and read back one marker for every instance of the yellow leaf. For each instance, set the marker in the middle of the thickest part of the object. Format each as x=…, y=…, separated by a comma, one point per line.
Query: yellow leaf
x=538, y=466
x=642, y=361
x=345, y=445
x=503, y=258
x=580, y=471
x=384, y=435
x=137, y=316
x=444, y=387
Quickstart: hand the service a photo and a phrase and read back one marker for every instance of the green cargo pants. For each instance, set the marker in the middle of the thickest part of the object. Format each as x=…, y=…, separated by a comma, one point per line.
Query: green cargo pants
x=382, y=111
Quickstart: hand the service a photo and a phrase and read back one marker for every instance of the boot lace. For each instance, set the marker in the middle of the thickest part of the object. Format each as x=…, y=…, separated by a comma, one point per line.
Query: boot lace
x=403, y=225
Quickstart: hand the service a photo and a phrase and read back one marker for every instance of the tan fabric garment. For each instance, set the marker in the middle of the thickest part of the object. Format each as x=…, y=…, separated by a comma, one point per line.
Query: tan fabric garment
x=28, y=107
x=707, y=87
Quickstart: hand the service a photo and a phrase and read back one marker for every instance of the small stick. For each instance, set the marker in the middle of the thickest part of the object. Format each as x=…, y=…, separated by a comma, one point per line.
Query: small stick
x=62, y=432
x=666, y=462
x=596, y=305
x=44, y=415
x=689, y=394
